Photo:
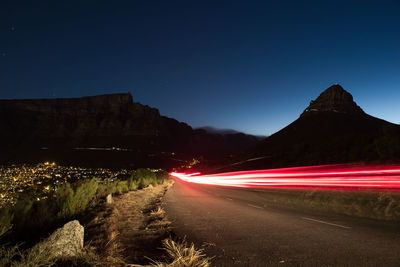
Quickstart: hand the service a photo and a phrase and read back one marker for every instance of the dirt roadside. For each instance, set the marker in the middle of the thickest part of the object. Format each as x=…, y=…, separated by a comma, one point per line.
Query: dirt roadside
x=130, y=230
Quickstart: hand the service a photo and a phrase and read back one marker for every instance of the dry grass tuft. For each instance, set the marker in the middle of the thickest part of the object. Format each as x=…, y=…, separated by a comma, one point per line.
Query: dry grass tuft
x=36, y=256
x=158, y=213
x=183, y=255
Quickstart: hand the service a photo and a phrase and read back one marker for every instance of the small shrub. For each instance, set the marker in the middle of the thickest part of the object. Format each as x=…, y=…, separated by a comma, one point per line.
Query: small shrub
x=32, y=217
x=72, y=202
x=23, y=206
x=132, y=184
x=144, y=182
x=111, y=187
x=6, y=218
x=146, y=177
x=121, y=187
x=162, y=176
x=143, y=173
x=102, y=191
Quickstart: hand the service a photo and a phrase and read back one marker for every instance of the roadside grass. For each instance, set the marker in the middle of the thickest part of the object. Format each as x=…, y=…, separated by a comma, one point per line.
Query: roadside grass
x=30, y=219
x=183, y=255
x=157, y=214
x=36, y=256
x=69, y=201
x=367, y=204
x=39, y=256
x=86, y=257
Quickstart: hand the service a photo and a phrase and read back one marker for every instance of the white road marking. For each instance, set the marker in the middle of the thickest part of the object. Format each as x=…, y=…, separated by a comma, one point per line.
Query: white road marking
x=254, y=206
x=333, y=224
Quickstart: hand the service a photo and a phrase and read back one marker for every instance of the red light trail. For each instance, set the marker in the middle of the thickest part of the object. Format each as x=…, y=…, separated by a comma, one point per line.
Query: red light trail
x=324, y=177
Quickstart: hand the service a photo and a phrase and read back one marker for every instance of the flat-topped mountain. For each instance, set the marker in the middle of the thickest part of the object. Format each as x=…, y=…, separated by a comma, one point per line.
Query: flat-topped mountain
x=105, y=121
x=79, y=118
x=86, y=121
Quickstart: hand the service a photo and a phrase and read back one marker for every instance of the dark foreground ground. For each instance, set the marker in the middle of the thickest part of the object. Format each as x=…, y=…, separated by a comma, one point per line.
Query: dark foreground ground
x=243, y=228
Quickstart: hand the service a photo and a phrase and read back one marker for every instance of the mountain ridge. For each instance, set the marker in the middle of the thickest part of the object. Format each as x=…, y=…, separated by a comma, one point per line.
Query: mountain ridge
x=104, y=121
x=214, y=130
x=337, y=131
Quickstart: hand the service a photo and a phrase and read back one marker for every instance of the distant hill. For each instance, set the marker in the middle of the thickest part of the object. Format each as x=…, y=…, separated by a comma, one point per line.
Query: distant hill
x=210, y=129
x=103, y=129
x=332, y=129
x=213, y=130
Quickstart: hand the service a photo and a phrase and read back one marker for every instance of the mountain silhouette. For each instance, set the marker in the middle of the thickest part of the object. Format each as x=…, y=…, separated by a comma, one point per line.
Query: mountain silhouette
x=214, y=130
x=104, y=130
x=332, y=129
x=334, y=99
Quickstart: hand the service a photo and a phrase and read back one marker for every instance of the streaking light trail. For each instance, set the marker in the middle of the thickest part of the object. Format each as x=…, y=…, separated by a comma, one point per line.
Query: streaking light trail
x=325, y=177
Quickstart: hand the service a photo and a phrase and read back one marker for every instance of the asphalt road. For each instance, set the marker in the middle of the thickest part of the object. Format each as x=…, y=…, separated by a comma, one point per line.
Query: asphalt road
x=241, y=228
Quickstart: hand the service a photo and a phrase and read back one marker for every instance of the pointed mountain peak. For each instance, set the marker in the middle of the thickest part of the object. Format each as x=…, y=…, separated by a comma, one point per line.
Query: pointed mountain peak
x=334, y=99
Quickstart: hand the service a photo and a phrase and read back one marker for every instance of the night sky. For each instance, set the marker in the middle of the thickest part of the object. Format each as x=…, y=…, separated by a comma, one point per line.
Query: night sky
x=252, y=66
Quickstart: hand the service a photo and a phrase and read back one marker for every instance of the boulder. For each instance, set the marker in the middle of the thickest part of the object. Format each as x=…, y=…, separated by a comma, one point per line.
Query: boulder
x=66, y=241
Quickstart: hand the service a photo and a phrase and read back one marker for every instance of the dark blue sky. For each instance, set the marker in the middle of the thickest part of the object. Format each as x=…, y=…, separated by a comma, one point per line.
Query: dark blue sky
x=247, y=65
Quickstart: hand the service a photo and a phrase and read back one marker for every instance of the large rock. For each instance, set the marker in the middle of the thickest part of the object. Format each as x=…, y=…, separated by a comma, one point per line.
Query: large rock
x=66, y=241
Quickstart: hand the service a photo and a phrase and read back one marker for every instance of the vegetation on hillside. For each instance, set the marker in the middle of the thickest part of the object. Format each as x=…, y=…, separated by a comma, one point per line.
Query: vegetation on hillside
x=30, y=219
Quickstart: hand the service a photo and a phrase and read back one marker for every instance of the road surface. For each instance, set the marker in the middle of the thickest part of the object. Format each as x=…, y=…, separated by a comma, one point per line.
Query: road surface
x=241, y=228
